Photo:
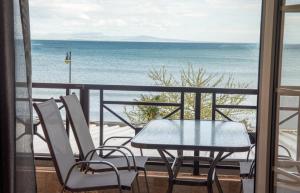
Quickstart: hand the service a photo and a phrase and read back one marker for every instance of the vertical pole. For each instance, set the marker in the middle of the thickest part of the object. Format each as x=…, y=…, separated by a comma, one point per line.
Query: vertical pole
x=67, y=119
x=101, y=119
x=70, y=68
x=197, y=106
x=180, y=152
x=213, y=116
x=85, y=103
x=197, y=117
x=213, y=108
x=182, y=105
x=298, y=133
x=101, y=122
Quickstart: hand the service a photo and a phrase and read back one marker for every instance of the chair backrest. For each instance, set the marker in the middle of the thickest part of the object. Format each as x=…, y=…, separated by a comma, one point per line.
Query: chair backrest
x=79, y=125
x=56, y=137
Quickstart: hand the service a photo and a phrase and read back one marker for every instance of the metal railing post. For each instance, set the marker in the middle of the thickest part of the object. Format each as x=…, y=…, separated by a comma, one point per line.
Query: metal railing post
x=101, y=123
x=298, y=132
x=197, y=106
x=67, y=119
x=213, y=108
x=182, y=105
x=197, y=117
x=213, y=115
x=85, y=103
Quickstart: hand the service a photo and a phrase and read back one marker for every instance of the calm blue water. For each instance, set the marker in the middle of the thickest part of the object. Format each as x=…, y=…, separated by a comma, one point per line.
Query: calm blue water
x=130, y=62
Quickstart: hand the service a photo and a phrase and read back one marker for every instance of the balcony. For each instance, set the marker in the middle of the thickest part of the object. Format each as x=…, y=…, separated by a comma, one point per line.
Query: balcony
x=103, y=129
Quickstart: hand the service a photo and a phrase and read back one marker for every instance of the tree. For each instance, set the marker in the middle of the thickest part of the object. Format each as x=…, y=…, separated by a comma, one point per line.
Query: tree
x=189, y=77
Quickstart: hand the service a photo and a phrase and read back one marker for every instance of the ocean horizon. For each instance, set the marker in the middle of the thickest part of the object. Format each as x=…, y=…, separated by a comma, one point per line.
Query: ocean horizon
x=138, y=58
x=129, y=63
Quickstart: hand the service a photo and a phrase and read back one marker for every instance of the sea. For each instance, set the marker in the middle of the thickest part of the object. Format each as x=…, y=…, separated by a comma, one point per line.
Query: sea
x=129, y=63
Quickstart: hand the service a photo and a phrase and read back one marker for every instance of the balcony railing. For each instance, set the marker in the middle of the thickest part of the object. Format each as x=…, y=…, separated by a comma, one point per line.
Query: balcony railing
x=84, y=95
x=85, y=89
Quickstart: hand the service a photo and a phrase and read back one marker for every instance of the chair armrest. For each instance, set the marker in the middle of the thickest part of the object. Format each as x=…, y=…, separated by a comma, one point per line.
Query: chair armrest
x=116, y=137
x=252, y=169
x=93, y=151
x=289, y=155
x=130, y=152
x=248, y=154
x=91, y=162
x=286, y=150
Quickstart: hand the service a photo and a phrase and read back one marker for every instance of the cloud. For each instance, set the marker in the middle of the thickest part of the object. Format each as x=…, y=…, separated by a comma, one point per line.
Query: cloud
x=195, y=20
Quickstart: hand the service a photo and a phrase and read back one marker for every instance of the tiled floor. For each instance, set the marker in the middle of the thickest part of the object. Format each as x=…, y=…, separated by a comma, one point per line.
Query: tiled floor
x=48, y=183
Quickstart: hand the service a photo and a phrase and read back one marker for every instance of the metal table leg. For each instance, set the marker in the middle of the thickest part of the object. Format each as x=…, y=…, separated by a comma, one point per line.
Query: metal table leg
x=212, y=176
x=170, y=171
x=173, y=171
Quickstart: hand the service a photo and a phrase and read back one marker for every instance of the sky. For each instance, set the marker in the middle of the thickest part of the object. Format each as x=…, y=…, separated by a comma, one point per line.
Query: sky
x=174, y=20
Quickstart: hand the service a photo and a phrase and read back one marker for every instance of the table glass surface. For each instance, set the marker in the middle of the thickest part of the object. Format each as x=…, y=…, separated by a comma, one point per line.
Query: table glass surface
x=193, y=135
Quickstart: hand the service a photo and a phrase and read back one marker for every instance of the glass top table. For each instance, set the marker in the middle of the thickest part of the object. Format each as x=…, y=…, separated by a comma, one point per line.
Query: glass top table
x=197, y=135
x=201, y=135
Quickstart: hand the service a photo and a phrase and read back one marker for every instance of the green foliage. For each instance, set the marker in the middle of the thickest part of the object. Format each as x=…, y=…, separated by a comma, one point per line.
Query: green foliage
x=189, y=77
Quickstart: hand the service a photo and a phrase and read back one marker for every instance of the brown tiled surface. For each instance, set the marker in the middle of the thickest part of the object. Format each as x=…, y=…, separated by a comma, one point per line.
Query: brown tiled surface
x=48, y=183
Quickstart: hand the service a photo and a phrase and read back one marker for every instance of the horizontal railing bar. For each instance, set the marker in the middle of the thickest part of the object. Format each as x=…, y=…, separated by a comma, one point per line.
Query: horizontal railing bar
x=154, y=161
x=291, y=8
x=140, y=103
x=288, y=109
x=236, y=107
x=43, y=100
x=57, y=85
x=289, y=92
x=290, y=87
x=145, y=88
x=22, y=99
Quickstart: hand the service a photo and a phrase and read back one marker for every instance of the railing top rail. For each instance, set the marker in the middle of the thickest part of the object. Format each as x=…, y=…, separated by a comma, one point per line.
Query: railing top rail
x=145, y=88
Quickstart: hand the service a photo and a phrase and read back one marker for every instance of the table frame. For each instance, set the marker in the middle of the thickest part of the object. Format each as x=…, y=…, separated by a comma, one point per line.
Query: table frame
x=173, y=170
x=174, y=167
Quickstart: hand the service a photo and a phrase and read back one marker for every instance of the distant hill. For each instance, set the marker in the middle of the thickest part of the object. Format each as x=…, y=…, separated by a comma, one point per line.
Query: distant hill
x=102, y=37
x=151, y=39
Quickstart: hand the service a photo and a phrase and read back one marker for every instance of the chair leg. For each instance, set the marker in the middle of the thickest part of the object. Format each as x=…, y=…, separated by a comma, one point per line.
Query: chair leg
x=170, y=187
x=209, y=189
x=138, y=184
x=241, y=187
x=218, y=184
x=132, y=189
x=146, y=180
